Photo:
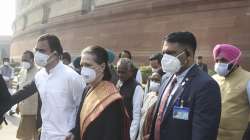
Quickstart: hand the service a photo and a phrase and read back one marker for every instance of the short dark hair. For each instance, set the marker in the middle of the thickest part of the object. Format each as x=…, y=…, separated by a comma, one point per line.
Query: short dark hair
x=184, y=38
x=6, y=59
x=53, y=41
x=30, y=53
x=101, y=56
x=157, y=57
x=76, y=62
x=66, y=56
x=200, y=57
x=127, y=52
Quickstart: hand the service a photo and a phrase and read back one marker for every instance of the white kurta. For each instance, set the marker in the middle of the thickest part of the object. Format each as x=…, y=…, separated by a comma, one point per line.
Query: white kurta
x=137, y=104
x=60, y=91
x=29, y=105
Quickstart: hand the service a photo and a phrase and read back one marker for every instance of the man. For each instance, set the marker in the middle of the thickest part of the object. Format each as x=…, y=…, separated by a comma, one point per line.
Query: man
x=201, y=65
x=137, y=73
x=132, y=93
x=7, y=72
x=5, y=98
x=59, y=87
x=27, y=108
x=234, y=83
x=155, y=63
x=189, y=106
x=76, y=65
x=66, y=58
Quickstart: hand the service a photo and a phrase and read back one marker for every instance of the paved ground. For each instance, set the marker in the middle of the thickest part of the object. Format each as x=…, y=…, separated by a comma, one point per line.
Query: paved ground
x=9, y=132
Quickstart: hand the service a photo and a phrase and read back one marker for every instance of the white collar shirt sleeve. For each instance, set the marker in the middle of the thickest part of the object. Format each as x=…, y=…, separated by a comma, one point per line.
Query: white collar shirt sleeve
x=137, y=105
x=139, y=76
x=248, y=91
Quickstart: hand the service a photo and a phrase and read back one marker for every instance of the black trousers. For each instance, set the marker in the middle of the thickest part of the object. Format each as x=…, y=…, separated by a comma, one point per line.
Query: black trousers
x=247, y=133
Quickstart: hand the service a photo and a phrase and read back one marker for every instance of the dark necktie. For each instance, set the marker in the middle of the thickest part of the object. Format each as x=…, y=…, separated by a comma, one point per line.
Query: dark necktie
x=163, y=102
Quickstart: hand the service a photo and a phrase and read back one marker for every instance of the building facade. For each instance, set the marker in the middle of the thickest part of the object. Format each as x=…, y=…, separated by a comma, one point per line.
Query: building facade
x=4, y=47
x=136, y=25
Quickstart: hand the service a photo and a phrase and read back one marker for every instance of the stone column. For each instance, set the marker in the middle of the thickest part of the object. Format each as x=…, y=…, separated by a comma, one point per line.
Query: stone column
x=87, y=6
x=46, y=11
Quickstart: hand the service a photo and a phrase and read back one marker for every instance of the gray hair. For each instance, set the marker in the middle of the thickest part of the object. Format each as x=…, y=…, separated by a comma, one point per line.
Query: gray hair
x=128, y=62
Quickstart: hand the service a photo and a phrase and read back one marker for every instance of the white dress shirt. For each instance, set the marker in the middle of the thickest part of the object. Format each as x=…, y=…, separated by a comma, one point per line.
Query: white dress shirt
x=248, y=91
x=60, y=91
x=139, y=76
x=137, y=104
x=179, y=79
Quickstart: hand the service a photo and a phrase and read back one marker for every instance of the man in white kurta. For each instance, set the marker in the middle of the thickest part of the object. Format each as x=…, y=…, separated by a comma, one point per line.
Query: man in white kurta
x=60, y=91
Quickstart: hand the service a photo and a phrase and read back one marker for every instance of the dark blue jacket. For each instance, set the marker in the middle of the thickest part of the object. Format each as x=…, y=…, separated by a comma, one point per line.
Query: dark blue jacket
x=4, y=99
x=202, y=95
x=7, y=101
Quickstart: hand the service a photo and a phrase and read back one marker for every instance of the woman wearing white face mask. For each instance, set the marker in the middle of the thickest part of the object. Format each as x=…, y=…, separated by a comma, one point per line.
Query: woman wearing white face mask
x=149, y=99
x=234, y=83
x=101, y=114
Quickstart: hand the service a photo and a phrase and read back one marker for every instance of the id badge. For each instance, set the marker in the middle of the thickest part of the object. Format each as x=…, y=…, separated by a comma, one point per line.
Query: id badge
x=181, y=113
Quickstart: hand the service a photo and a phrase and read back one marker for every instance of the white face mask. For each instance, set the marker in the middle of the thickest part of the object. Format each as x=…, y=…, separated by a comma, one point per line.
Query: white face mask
x=154, y=86
x=89, y=75
x=41, y=59
x=154, y=70
x=171, y=64
x=6, y=63
x=26, y=65
x=119, y=84
x=221, y=69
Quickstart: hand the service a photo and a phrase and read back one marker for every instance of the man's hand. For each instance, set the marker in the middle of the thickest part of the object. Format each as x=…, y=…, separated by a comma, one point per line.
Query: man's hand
x=5, y=99
x=17, y=109
x=70, y=137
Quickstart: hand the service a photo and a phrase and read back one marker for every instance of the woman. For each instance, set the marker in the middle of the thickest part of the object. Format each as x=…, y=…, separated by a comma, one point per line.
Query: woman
x=101, y=113
x=149, y=100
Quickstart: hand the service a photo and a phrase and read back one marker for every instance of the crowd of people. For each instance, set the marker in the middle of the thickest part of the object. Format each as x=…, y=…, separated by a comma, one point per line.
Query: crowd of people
x=92, y=98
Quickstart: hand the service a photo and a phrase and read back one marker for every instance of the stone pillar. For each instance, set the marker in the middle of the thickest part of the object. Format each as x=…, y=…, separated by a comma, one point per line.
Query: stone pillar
x=86, y=6
x=25, y=22
x=46, y=11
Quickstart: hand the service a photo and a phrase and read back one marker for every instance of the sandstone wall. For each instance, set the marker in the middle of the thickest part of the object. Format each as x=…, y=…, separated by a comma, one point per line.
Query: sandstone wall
x=137, y=25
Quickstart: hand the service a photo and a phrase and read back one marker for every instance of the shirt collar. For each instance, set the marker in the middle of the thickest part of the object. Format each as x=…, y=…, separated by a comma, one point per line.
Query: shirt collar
x=183, y=74
x=56, y=68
